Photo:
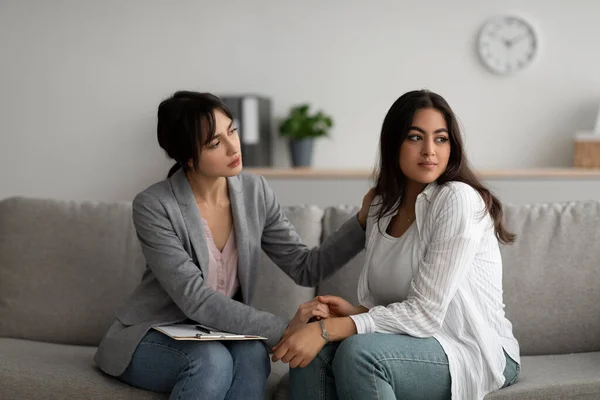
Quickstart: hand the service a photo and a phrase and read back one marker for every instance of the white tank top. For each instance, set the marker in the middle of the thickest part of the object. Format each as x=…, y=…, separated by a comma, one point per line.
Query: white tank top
x=391, y=267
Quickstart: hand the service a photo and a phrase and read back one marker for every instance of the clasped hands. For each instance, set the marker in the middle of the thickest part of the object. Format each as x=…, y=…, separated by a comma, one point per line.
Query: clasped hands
x=302, y=341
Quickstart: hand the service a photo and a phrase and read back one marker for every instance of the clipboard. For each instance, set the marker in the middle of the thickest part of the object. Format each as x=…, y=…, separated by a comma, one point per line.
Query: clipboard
x=201, y=333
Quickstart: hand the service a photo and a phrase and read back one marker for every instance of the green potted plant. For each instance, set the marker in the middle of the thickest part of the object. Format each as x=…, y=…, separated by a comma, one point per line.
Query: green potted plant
x=301, y=127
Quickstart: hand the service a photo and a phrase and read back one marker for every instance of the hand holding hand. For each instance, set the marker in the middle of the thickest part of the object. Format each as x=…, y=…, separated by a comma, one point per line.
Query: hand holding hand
x=301, y=347
x=306, y=311
x=338, y=307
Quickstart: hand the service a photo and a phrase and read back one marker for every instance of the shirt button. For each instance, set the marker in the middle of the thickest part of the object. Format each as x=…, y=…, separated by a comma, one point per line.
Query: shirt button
x=222, y=282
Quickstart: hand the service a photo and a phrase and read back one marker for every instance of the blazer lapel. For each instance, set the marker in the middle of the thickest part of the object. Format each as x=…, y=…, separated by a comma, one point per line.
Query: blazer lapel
x=238, y=210
x=191, y=218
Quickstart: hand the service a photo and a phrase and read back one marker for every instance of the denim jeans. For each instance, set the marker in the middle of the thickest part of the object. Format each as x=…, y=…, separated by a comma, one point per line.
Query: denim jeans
x=379, y=366
x=229, y=370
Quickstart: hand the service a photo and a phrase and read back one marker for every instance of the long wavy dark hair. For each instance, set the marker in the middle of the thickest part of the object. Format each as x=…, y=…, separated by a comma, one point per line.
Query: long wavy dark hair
x=389, y=178
x=186, y=123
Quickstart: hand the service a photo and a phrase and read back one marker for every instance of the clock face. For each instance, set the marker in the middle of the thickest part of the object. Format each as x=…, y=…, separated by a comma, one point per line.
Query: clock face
x=507, y=44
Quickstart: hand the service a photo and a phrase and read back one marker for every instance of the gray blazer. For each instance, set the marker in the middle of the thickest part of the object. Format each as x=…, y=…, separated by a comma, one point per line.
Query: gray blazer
x=172, y=289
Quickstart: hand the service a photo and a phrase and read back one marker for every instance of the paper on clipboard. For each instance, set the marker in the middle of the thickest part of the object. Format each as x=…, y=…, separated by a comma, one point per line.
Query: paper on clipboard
x=201, y=333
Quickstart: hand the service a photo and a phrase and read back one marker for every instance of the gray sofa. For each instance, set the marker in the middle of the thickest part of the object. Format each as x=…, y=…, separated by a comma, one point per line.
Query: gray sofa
x=66, y=266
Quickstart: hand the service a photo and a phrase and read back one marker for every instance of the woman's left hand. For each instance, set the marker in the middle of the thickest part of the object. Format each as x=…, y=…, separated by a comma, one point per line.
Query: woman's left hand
x=301, y=347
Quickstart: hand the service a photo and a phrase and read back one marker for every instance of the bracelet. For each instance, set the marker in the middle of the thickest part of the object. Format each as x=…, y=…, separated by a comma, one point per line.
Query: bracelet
x=324, y=333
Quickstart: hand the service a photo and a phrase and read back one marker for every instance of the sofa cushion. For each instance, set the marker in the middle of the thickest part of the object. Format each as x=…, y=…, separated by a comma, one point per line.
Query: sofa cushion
x=552, y=276
x=275, y=291
x=64, y=268
x=344, y=282
x=35, y=370
x=555, y=377
x=559, y=377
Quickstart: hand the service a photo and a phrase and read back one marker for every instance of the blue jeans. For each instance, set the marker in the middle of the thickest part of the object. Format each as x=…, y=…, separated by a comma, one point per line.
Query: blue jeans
x=199, y=370
x=379, y=366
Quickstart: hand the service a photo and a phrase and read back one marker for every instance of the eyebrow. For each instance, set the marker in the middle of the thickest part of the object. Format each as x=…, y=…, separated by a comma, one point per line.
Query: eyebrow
x=416, y=128
x=218, y=135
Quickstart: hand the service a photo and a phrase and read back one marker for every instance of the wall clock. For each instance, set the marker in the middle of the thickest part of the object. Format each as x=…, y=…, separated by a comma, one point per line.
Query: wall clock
x=507, y=44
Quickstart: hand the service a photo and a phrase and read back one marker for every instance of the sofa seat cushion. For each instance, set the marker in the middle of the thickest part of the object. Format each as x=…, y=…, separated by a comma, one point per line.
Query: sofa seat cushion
x=38, y=370
x=556, y=377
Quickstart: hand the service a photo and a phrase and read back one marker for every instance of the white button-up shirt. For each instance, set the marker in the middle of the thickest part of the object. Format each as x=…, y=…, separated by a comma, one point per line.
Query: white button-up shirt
x=455, y=293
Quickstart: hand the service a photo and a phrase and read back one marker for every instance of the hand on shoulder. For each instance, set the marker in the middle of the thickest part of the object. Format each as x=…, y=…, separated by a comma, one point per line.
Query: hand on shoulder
x=363, y=214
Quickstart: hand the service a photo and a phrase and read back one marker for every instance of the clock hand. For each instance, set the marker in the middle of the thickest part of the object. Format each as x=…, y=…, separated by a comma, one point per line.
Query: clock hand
x=505, y=42
x=513, y=41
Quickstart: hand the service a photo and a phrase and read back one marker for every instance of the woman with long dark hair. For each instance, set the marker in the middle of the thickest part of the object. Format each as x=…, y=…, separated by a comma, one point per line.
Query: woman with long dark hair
x=431, y=322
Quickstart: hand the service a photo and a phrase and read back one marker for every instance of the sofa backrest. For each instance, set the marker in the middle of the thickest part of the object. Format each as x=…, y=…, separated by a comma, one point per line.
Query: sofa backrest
x=275, y=291
x=551, y=275
x=343, y=282
x=65, y=268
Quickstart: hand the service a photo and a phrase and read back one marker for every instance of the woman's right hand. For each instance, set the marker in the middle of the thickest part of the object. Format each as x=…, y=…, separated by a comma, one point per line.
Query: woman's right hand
x=339, y=307
x=306, y=311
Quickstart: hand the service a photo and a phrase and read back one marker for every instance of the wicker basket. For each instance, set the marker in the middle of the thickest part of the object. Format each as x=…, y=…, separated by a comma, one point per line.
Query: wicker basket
x=587, y=152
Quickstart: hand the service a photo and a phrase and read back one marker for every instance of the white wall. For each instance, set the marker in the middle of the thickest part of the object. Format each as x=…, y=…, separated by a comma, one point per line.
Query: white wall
x=80, y=80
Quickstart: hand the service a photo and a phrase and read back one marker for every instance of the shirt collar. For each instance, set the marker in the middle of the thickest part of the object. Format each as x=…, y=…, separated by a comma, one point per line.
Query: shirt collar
x=428, y=192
